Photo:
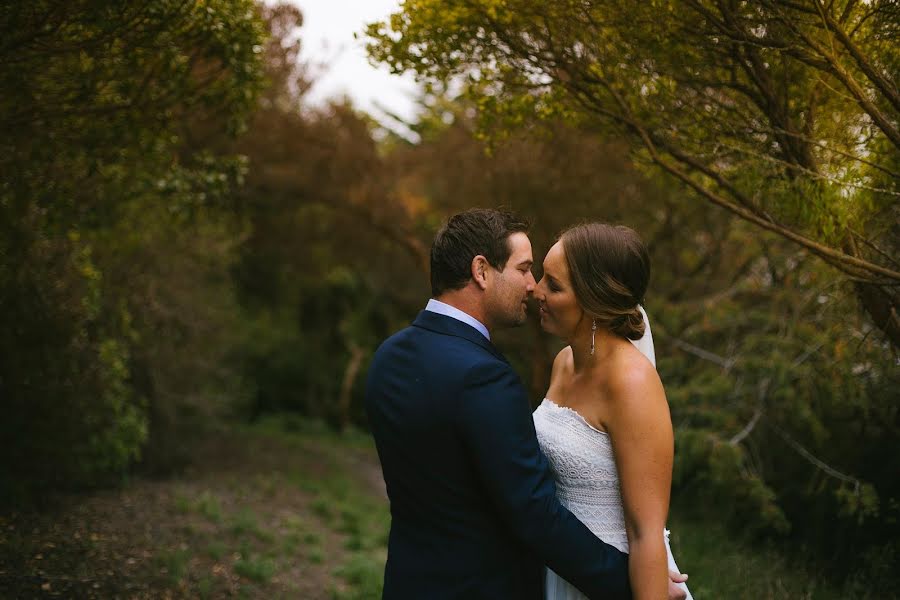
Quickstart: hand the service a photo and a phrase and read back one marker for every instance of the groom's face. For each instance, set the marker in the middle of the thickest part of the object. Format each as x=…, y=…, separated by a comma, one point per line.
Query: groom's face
x=507, y=296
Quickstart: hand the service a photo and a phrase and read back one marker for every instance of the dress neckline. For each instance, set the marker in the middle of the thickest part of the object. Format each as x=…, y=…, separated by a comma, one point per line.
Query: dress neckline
x=574, y=412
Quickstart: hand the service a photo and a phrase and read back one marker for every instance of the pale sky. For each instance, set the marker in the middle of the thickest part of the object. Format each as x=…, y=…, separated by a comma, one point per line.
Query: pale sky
x=327, y=38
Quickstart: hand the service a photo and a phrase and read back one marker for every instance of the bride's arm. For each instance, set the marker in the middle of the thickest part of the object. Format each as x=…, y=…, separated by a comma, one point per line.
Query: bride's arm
x=641, y=433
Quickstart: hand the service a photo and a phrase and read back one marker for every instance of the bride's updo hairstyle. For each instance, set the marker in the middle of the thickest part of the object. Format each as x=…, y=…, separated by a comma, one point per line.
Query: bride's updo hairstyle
x=610, y=269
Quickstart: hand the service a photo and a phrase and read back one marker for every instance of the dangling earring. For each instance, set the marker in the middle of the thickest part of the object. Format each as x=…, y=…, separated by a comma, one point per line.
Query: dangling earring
x=593, y=333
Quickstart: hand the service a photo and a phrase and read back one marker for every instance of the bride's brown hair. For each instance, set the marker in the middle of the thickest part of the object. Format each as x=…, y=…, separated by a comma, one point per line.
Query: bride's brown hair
x=610, y=269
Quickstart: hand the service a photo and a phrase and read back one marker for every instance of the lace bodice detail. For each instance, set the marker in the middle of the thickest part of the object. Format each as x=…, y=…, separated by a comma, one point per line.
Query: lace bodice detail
x=583, y=465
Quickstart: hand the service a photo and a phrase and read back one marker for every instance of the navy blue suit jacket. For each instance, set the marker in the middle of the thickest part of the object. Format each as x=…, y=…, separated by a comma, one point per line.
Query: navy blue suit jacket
x=473, y=504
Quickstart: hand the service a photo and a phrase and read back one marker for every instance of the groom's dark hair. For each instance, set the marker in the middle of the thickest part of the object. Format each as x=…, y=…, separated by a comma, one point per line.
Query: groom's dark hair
x=464, y=236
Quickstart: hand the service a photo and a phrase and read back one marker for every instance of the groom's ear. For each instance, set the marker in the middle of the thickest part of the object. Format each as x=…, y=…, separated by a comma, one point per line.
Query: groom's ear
x=480, y=267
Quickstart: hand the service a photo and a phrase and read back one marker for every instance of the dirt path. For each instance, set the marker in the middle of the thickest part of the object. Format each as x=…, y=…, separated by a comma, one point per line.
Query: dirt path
x=256, y=515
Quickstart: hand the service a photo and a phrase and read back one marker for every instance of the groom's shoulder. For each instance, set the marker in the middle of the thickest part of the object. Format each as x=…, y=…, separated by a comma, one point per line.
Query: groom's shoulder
x=444, y=349
x=398, y=338
x=424, y=338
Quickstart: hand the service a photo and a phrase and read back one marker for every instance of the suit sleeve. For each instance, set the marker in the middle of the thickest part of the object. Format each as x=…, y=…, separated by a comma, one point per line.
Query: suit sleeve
x=496, y=426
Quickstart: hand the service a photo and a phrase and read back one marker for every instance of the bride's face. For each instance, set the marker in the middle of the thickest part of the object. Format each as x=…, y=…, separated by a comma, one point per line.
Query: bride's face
x=560, y=312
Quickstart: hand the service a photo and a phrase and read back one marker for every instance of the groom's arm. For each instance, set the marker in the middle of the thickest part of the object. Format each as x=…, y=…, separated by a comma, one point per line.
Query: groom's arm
x=497, y=429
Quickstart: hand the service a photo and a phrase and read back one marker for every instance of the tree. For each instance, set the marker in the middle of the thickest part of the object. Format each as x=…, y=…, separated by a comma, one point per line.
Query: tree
x=327, y=243
x=96, y=97
x=783, y=113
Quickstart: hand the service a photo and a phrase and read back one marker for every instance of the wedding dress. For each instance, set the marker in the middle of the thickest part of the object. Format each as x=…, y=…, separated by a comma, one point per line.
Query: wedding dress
x=587, y=481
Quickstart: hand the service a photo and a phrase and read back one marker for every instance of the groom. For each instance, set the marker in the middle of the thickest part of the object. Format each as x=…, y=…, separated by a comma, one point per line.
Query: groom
x=473, y=504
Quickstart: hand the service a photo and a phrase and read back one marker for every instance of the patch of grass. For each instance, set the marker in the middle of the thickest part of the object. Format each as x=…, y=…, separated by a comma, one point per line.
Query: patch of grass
x=365, y=523
x=209, y=506
x=306, y=485
x=244, y=550
x=268, y=484
x=354, y=543
x=265, y=536
x=312, y=539
x=174, y=562
x=205, y=587
x=183, y=504
x=382, y=536
x=294, y=523
x=350, y=520
x=363, y=574
x=322, y=508
x=244, y=522
x=189, y=529
x=205, y=504
x=315, y=556
x=339, y=488
x=259, y=570
x=290, y=543
x=216, y=550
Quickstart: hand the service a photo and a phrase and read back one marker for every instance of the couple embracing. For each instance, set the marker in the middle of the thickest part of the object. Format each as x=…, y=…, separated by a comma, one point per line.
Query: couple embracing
x=484, y=493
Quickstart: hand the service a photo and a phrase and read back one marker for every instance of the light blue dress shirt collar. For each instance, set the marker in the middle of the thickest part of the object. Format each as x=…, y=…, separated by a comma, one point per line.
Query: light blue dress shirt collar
x=441, y=308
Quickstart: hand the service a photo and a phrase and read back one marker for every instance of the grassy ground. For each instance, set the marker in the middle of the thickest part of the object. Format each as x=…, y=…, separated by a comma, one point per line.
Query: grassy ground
x=274, y=511
x=286, y=509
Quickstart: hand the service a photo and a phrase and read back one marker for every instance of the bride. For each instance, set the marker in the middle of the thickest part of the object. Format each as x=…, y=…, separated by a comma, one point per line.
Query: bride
x=604, y=424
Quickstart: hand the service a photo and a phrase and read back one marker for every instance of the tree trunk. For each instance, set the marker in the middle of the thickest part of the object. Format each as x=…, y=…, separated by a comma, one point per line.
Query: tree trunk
x=350, y=373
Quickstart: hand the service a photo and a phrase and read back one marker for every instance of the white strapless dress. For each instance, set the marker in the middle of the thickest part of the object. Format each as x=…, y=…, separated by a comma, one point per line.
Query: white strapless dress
x=587, y=483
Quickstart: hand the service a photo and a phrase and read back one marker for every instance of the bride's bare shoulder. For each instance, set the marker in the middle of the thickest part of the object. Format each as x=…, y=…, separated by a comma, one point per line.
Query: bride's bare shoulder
x=631, y=375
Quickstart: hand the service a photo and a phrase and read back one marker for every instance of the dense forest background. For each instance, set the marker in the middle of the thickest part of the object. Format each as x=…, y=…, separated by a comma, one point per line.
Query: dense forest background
x=183, y=239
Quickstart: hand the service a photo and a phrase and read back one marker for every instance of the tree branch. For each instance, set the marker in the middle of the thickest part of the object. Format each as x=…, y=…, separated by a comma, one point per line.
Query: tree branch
x=815, y=461
x=837, y=69
x=885, y=86
x=725, y=363
x=845, y=262
x=762, y=392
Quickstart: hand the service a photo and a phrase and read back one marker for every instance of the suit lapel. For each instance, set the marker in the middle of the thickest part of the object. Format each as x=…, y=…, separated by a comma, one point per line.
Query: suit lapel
x=449, y=326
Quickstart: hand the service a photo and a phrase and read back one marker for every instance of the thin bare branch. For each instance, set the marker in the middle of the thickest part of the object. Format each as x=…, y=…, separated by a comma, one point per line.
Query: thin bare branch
x=762, y=392
x=820, y=464
x=725, y=363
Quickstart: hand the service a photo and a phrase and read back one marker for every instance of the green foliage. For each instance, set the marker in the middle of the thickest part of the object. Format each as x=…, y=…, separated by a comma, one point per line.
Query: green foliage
x=716, y=469
x=313, y=314
x=174, y=562
x=216, y=550
x=769, y=419
x=745, y=104
x=364, y=576
x=257, y=569
x=95, y=103
x=56, y=335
